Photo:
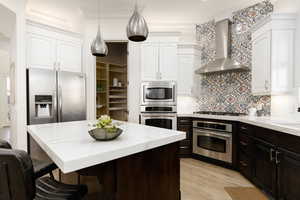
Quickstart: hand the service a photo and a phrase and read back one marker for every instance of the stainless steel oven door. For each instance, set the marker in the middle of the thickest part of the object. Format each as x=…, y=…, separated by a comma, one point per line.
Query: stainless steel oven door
x=216, y=145
x=168, y=121
x=162, y=92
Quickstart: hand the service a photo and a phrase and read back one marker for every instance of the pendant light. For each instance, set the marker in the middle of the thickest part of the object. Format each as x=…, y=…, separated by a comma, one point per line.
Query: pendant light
x=137, y=29
x=99, y=47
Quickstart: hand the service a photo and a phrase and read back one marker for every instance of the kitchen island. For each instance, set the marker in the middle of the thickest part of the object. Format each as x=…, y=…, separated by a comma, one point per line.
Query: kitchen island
x=142, y=163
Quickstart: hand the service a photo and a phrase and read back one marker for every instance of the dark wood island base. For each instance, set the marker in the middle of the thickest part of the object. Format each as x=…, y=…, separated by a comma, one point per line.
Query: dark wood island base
x=149, y=175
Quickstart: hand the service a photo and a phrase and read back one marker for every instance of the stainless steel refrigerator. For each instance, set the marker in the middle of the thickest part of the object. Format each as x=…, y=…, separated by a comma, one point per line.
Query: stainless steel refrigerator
x=54, y=96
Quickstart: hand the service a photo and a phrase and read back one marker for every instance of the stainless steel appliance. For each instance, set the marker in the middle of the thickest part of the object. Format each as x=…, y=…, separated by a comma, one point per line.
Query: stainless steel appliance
x=213, y=140
x=158, y=93
x=54, y=96
x=223, y=61
x=158, y=104
x=159, y=116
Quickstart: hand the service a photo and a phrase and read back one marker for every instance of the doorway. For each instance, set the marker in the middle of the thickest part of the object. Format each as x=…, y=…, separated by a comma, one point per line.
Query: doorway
x=7, y=31
x=111, y=78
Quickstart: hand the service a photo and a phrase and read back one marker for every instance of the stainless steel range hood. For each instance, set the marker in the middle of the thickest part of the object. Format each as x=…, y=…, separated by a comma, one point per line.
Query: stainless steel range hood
x=223, y=60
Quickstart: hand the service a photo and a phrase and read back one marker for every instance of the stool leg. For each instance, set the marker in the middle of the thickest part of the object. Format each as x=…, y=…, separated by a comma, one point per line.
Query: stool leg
x=51, y=175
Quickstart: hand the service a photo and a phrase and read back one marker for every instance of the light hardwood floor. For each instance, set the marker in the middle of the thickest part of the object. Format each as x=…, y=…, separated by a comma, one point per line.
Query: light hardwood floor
x=203, y=181
x=199, y=181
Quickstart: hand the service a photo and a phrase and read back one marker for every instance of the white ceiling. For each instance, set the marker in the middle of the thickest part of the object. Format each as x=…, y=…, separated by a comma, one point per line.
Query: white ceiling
x=72, y=13
x=154, y=10
x=164, y=10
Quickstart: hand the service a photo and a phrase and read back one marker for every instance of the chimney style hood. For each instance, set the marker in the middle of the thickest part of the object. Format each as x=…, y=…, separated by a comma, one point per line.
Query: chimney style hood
x=223, y=60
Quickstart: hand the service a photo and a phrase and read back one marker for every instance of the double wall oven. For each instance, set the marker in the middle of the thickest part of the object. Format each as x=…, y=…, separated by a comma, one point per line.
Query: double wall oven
x=159, y=104
x=213, y=140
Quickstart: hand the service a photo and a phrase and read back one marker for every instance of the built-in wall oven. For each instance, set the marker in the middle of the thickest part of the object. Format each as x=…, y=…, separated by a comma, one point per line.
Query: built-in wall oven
x=158, y=93
x=159, y=116
x=213, y=140
x=158, y=104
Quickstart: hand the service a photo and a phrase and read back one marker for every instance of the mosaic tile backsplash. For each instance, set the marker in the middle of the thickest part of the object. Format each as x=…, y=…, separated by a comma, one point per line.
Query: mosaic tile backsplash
x=231, y=91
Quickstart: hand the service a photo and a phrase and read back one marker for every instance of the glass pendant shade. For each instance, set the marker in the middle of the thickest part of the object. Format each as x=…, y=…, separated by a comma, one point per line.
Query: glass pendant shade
x=137, y=29
x=99, y=47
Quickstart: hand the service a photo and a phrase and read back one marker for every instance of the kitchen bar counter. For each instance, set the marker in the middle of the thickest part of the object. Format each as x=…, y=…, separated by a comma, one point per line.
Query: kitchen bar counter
x=142, y=163
x=70, y=146
x=288, y=125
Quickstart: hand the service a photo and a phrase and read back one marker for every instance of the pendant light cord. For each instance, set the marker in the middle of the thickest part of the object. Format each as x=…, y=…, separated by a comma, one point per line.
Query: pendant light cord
x=98, y=13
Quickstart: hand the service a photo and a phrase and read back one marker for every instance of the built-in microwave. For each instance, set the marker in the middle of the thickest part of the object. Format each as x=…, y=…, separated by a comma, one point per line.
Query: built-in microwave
x=158, y=93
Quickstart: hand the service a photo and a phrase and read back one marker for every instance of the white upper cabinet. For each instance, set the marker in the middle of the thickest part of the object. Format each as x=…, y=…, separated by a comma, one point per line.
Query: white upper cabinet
x=49, y=49
x=261, y=64
x=273, y=55
x=40, y=51
x=69, y=56
x=189, y=59
x=149, y=61
x=159, y=59
x=168, y=61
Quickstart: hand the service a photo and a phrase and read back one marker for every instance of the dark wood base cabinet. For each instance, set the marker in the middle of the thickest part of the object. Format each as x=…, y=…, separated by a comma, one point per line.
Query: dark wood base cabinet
x=266, y=158
x=288, y=175
x=185, y=124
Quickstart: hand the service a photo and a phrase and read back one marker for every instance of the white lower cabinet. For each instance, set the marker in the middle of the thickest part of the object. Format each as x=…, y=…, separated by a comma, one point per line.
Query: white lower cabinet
x=273, y=48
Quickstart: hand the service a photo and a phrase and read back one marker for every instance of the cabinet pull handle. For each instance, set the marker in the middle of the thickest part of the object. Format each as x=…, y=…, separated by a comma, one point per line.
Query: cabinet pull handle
x=243, y=128
x=277, y=157
x=184, y=121
x=272, y=155
x=243, y=143
x=243, y=164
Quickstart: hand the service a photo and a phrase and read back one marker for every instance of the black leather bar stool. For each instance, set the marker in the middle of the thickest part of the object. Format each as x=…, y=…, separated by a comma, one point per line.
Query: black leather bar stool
x=41, y=168
x=17, y=181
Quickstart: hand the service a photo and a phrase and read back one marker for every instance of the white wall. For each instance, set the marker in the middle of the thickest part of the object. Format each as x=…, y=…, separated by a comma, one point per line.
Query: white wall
x=4, y=70
x=17, y=53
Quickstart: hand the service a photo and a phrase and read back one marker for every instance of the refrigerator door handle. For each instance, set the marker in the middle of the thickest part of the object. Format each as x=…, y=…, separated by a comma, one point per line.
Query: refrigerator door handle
x=60, y=114
x=54, y=103
x=59, y=102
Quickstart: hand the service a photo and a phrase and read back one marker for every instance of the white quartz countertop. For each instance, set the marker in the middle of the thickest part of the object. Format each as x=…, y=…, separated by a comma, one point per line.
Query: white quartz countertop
x=286, y=124
x=71, y=148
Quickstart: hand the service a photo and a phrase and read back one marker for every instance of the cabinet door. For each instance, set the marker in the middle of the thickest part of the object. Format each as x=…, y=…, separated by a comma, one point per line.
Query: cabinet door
x=288, y=175
x=149, y=61
x=261, y=64
x=69, y=56
x=168, y=61
x=185, y=74
x=282, y=61
x=41, y=52
x=264, y=167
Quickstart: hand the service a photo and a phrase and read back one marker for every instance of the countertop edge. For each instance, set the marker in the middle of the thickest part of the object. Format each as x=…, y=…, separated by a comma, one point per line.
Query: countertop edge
x=256, y=121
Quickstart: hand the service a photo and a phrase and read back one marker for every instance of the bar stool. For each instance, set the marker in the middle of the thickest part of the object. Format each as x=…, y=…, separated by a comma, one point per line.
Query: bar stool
x=41, y=168
x=18, y=183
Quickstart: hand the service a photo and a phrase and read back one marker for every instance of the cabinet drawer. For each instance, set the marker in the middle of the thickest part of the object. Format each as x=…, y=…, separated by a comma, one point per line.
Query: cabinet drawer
x=267, y=135
x=246, y=144
x=185, y=150
x=185, y=143
x=187, y=129
x=245, y=165
x=184, y=121
x=246, y=129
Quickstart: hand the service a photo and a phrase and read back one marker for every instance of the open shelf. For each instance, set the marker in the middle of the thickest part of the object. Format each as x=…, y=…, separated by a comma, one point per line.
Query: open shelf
x=113, y=66
x=117, y=108
x=117, y=97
